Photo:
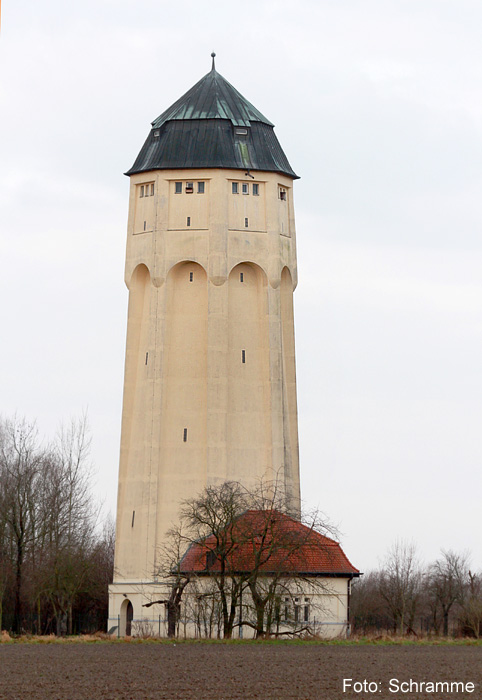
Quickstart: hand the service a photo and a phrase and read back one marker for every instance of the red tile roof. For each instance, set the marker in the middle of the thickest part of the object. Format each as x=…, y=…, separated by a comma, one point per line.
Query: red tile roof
x=278, y=542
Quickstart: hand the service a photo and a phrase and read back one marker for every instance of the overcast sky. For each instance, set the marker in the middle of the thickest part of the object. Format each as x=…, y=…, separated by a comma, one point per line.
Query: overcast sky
x=378, y=106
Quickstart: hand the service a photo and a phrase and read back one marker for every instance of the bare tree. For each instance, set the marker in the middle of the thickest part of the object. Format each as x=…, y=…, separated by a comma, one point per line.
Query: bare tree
x=241, y=541
x=400, y=584
x=447, y=579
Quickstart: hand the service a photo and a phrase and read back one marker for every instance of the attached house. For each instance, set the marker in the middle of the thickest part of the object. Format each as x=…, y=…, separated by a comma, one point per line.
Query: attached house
x=282, y=577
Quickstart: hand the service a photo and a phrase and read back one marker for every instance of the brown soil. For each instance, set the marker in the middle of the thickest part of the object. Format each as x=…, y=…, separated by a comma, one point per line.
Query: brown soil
x=228, y=672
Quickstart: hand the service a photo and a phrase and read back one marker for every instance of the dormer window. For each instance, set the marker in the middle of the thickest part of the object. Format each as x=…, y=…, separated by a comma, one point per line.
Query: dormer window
x=241, y=132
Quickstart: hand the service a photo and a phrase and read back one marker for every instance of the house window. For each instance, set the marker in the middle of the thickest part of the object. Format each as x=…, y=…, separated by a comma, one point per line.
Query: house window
x=178, y=188
x=200, y=187
x=189, y=187
x=287, y=609
x=307, y=610
x=234, y=187
x=256, y=190
x=245, y=188
x=246, y=222
x=297, y=609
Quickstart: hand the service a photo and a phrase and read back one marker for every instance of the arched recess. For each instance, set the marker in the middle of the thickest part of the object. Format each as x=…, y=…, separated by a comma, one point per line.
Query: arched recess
x=126, y=617
x=248, y=420
x=183, y=446
x=137, y=334
x=290, y=411
x=133, y=421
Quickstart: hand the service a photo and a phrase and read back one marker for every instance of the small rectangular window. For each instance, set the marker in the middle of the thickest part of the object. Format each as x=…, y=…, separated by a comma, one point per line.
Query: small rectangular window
x=241, y=276
x=145, y=225
x=256, y=189
x=307, y=610
x=191, y=276
x=142, y=191
x=184, y=435
x=246, y=222
x=147, y=357
x=234, y=186
x=282, y=194
x=243, y=356
x=178, y=189
x=200, y=187
x=152, y=189
x=188, y=220
x=241, y=132
x=245, y=188
x=189, y=187
x=133, y=518
x=297, y=610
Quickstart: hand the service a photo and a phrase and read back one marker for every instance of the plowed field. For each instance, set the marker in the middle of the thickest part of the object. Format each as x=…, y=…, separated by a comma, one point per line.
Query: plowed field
x=106, y=671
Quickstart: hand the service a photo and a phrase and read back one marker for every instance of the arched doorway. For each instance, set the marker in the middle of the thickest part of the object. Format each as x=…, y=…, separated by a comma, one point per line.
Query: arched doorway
x=126, y=617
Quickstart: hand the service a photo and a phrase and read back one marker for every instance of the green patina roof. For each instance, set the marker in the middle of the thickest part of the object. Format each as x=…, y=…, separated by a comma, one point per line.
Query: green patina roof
x=213, y=98
x=212, y=126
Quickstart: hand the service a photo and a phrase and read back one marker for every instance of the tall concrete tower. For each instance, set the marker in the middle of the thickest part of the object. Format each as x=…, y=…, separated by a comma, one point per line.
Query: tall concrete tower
x=210, y=387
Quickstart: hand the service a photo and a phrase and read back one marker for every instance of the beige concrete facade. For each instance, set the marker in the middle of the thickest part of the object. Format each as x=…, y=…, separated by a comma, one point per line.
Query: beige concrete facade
x=210, y=386
x=318, y=606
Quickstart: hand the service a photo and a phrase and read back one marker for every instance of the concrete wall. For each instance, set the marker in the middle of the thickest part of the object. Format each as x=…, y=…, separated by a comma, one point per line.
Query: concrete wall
x=210, y=387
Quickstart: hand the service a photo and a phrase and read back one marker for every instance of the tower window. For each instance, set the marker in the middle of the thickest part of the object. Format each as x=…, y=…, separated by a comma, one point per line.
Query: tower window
x=282, y=193
x=147, y=357
x=234, y=187
x=243, y=356
x=184, y=435
x=152, y=189
x=142, y=191
x=191, y=276
x=200, y=187
x=256, y=189
x=188, y=220
x=189, y=187
x=144, y=225
x=133, y=518
x=245, y=188
x=178, y=188
x=246, y=222
x=241, y=276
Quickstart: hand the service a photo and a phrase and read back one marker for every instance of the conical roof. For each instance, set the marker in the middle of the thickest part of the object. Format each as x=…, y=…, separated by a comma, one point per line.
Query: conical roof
x=213, y=98
x=212, y=126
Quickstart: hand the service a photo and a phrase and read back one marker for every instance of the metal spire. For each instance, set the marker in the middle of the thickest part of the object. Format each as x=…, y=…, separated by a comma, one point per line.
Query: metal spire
x=213, y=55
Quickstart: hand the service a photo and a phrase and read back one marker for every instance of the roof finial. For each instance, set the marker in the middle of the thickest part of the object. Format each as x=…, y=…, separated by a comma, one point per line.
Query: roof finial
x=213, y=55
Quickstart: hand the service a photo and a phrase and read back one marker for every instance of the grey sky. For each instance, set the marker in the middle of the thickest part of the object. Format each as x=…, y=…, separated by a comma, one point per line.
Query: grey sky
x=379, y=109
